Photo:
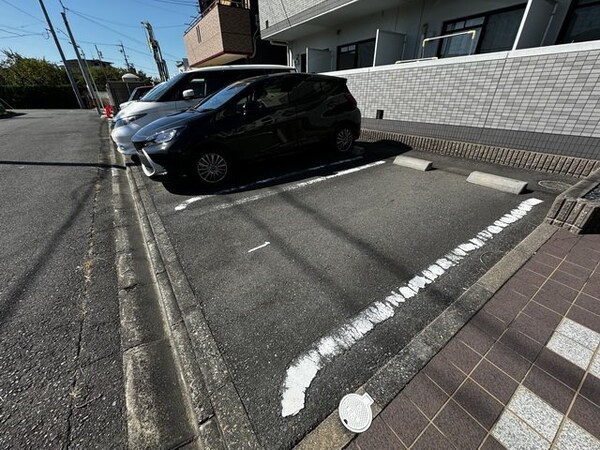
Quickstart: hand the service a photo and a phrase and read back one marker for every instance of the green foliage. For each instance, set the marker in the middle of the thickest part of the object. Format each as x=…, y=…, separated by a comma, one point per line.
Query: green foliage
x=16, y=70
x=102, y=75
x=26, y=97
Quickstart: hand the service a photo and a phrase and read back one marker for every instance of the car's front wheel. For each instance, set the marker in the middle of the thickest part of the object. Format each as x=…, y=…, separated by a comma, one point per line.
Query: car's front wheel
x=343, y=139
x=211, y=168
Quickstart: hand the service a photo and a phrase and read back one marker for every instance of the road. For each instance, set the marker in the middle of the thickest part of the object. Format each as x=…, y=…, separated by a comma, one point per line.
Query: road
x=283, y=264
x=61, y=382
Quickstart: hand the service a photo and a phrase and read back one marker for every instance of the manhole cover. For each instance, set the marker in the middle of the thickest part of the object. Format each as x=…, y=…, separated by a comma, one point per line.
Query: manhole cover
x=555, y=186
x=355, y=412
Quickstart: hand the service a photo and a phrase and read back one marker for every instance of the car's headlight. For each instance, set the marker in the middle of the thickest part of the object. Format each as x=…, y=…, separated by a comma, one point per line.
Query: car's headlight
x=122, y=121
x=163, y=136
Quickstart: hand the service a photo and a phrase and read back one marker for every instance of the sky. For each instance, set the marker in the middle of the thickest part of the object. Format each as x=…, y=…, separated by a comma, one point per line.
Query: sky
x=101, y=23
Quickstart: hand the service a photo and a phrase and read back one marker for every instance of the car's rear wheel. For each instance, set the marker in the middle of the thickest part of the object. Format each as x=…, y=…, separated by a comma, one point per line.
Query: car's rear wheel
x=343, y=139
x=211, y=168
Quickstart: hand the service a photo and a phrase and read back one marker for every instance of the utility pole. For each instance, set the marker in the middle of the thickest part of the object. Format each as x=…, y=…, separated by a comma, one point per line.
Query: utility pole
x=87, y=68
x=163, y=72
x=98, y=52
x=86, y=76
x=129, y=66
x=62, y=56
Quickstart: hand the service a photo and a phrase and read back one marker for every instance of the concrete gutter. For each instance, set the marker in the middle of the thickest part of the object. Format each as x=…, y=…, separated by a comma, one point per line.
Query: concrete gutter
x=158, y=411
x=213, y=405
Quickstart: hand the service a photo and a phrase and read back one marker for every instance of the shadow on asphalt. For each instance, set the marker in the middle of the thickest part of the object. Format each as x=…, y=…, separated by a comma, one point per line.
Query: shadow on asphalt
x=10, y=115
x=291, y=168
x=61, y=163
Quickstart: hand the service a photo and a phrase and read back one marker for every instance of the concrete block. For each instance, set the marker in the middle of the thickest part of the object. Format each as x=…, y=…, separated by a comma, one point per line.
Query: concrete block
x=413, y=163
x=499, y=183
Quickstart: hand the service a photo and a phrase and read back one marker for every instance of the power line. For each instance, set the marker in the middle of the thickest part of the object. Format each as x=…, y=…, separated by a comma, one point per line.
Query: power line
x=176, y=2
x=22, y=35
x=114, y=56
x=120, y=23
x=174, y=58
x=9, y=32
x=23, y=11
x=18, y=28
x=161, y=8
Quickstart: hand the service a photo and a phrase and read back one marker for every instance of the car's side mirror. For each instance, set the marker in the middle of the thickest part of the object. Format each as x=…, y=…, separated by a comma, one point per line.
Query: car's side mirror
x=251, y=107
x=188, y=94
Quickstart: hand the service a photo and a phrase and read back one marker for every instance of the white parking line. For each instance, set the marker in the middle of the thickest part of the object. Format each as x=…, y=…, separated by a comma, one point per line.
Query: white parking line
x=270, y=193
x=259, y=247
x=304, y=368
x=256, y=184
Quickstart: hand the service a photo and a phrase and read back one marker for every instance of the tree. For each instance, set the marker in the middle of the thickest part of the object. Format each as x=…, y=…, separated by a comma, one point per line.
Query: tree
x=17, y=70
x=103, y=74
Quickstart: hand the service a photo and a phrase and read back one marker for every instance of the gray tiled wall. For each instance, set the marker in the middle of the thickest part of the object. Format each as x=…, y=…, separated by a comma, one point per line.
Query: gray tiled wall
x=548, y=103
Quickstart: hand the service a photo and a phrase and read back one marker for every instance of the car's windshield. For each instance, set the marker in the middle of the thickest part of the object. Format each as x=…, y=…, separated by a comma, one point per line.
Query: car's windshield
x=221, y=97
x=155, y=93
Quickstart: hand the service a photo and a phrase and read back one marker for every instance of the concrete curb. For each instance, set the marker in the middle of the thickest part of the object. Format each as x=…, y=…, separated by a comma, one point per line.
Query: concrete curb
x=497, y=182
x=391, y=378
x=413, y=163
x=524, y=159
x=157, y=406
x=573, y=209
x=219, y=415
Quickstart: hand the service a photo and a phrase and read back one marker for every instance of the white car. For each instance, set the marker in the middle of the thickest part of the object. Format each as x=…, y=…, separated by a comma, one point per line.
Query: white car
x=179, y=93
x=136, y=94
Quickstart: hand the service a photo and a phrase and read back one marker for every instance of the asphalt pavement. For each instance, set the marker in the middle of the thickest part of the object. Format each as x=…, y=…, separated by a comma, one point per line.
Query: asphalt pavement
x=283, y=262
x=61, y=382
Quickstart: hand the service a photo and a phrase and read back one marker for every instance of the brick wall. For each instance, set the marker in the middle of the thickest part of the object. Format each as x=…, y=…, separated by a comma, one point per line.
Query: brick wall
x=224, y=29
x=545, y=99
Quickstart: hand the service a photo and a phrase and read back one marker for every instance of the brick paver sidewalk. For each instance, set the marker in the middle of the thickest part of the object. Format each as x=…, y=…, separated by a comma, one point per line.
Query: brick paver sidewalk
x=523, y=373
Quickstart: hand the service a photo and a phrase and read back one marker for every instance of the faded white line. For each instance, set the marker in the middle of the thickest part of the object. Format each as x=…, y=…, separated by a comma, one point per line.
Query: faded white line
x=289, y=188
x=255, y=184
x=305, y=367
x=259, y=247
x=115, y=172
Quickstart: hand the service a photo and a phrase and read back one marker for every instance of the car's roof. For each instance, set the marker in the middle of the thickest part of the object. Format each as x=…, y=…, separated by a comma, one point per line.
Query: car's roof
x=242, y=67
x=294, y=75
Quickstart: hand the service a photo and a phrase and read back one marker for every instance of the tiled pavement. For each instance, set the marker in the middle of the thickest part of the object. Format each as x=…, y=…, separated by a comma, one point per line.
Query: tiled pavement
x=523, y=373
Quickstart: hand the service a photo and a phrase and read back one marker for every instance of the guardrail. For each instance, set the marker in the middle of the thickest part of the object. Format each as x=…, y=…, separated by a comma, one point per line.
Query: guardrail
x=473, y=33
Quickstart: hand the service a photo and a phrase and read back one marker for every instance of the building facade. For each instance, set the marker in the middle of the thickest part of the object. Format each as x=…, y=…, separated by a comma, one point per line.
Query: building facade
x=497, y=74
x=225, y=32
x=326, y=35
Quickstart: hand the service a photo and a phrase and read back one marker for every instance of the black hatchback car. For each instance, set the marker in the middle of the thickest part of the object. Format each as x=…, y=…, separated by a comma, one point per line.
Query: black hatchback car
x=254, y=118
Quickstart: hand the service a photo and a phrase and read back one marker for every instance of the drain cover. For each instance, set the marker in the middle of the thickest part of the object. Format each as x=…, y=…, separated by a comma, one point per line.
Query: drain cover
x=555, y=186
x=355, y=412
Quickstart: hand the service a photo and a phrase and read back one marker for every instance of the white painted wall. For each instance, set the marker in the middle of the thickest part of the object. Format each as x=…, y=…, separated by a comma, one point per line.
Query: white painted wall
x=417, y=20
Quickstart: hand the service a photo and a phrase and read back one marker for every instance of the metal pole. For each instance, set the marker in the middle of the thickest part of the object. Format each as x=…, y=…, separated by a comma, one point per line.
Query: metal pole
x=163, y=71
x=129, y=67
x=86, y=77
x=87, y=68
x=62, y=56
